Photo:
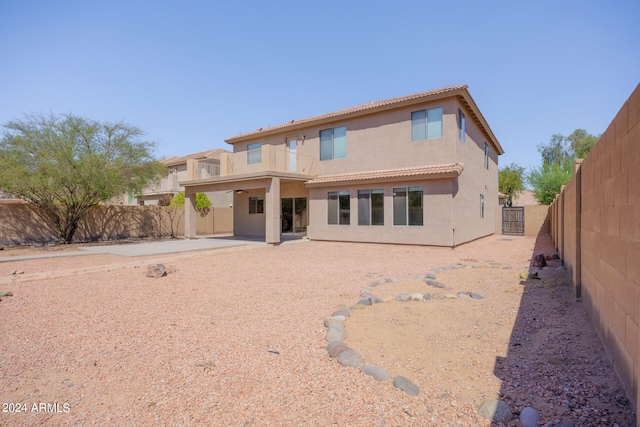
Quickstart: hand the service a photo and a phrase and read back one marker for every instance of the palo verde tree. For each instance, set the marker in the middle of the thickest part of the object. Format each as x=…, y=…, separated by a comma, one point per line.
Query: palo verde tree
x=511, y=181
x=63, y=165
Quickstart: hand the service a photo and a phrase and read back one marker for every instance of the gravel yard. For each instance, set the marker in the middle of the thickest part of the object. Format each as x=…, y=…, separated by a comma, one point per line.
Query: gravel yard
x=235, y=337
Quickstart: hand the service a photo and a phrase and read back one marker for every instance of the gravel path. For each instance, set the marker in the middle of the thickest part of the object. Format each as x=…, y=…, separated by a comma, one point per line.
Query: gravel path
x=235, y=337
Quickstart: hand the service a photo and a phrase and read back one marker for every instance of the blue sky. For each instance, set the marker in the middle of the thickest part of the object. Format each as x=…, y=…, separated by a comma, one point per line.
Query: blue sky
x=192, y=73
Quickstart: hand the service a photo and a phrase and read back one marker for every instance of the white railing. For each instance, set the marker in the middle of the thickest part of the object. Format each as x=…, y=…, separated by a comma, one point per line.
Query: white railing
x=208, y=170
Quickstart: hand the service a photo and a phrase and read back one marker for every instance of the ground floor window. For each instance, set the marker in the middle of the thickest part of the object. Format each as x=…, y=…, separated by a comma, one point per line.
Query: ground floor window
x=408, y=205
x=256, y=205
x=371, y=207
x=338, y=208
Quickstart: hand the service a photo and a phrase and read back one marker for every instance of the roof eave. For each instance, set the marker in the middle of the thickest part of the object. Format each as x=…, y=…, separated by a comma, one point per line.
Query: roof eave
x=305, y=123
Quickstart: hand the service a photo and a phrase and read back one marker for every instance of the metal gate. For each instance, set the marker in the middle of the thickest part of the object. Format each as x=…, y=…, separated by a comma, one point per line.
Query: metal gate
x=513, y=221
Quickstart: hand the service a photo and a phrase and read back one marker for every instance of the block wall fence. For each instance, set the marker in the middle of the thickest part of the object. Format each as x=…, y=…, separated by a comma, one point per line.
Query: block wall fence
x=595, y=225
x=19, y=225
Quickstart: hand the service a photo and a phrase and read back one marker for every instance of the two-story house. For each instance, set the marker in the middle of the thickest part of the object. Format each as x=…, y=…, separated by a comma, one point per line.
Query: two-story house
x=161, y=193
x=418, y=169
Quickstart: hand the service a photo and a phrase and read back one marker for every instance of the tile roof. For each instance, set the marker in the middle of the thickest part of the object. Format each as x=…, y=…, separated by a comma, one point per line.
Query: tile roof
x=349, y=111
x=436, y=171
x=209, y=154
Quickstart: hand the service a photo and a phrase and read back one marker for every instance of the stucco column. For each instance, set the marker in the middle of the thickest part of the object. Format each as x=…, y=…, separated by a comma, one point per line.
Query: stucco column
x=272, y=212
x=189, y=214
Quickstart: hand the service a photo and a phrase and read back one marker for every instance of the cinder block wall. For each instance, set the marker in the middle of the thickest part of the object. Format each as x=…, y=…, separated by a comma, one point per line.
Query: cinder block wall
x=19, y=225
x=596, y=227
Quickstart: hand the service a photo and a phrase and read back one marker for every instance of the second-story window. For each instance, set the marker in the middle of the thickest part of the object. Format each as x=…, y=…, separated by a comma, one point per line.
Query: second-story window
x=426, y=124
x=486, y=156
x=254, y=153
x=462, y=125
x=333, y=143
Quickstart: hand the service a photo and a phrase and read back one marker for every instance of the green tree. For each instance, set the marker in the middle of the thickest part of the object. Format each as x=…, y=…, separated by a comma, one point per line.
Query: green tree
x=581, y=142
x=547, y=180
x=511, y=181
x=63, y=165
x=558, y=157
x=202, y=201
x=555, y=151
x=202, y=205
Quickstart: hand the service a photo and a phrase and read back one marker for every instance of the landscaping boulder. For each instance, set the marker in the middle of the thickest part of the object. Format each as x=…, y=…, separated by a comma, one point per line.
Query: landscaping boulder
x=156, y=270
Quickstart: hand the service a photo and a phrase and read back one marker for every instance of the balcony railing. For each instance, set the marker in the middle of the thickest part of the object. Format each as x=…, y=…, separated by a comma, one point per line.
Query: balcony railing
x=208, y=170
x=265, y=159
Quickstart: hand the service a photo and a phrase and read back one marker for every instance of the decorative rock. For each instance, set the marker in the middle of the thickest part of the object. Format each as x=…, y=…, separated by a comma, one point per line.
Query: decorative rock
x=426, y=297
x=496, y=410
x=464, y=295
x=13, y=272
x=450, y=296
x=405, y=385
x=330, y=321
x=430, y=275
x=156, y=270
x=419, y=278
x=366, y=293
x=416, y=297
x=403, y=297
x=350, y=358
x=524, y=275
x=529, y=417
x=334, y=348
x=6, y=294
x=393, y=280
x=375, y=300
x=377, y=282
x=433, y=283
x=336, y=333
x=539, y=261
x=364, y=302
x=475, y=296
x=374, y=371
x=342, y=312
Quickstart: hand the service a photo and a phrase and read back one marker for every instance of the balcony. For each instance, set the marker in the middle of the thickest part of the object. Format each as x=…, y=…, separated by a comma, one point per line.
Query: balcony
x=265, y=159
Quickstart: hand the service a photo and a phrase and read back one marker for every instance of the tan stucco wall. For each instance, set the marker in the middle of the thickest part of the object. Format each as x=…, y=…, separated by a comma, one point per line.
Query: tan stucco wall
x=382, y=141
x=596, y=227
x=437, y=210
x=109, y=222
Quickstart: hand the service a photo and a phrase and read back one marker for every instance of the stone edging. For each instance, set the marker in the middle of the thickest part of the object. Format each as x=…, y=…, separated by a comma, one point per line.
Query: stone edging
x=336, y=332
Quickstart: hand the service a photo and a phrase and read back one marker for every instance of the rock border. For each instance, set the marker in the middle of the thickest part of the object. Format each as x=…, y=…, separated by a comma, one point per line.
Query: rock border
x=336, y=331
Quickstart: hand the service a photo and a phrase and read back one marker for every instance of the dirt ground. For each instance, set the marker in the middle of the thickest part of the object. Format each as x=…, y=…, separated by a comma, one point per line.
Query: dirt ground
x=235, y=337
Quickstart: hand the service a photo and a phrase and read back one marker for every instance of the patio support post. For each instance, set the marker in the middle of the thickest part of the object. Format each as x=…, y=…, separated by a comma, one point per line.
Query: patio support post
x=189, y=214
x=272, y=212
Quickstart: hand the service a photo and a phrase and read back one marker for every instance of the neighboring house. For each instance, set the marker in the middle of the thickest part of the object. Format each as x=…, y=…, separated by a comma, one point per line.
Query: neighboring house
x=418, y=169
x=163, y=192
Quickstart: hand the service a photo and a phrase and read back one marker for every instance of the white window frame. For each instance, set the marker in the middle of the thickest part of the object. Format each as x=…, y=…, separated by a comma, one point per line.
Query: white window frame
x=254, y=153
x=368, y=220
x=340, y=218
x=335, y=154
x=419, y=134
x=406, y=221
x=462, y=125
